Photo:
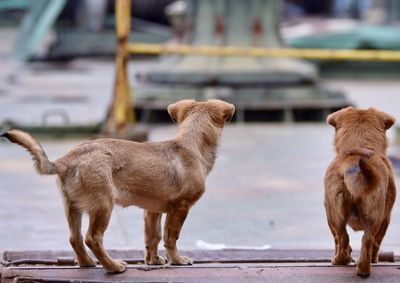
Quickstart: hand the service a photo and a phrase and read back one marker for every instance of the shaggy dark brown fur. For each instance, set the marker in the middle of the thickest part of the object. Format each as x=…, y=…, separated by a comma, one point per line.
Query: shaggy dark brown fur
x=359, y=185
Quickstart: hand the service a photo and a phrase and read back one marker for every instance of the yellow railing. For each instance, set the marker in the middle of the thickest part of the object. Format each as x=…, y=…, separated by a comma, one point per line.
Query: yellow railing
x=313, y=54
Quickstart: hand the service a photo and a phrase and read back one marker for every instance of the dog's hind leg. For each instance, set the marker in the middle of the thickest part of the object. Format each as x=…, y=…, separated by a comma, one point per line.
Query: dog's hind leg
x=343, y=255
x=334, y=234
x=175, y=218
x=74, y=218
x=152, y=237
x=335, y=237
x=337, y=212
x=378, y=240
x=390, y=199
x=368, y=242
x=99, y=218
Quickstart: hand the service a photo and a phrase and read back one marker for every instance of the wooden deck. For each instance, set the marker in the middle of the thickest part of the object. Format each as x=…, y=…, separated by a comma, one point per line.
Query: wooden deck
x=210, y=266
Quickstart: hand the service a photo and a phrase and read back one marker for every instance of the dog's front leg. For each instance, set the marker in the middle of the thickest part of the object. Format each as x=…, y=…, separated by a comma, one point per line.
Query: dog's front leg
x=175, y=218
x=152, y=237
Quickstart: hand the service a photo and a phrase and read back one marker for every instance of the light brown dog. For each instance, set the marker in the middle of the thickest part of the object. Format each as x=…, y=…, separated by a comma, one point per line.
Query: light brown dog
x=160, y=177
x=359, y=185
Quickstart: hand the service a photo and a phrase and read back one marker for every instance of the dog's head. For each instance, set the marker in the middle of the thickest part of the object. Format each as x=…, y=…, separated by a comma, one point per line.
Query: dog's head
x=360, y=128
x=217, y=111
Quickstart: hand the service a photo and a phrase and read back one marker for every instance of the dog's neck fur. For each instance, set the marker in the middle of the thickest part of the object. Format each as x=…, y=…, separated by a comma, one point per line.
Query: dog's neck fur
x=198, y=134
x=362, y=137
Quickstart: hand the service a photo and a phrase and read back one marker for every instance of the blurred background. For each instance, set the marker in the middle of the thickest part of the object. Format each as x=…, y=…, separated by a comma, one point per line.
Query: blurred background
x=58, y=81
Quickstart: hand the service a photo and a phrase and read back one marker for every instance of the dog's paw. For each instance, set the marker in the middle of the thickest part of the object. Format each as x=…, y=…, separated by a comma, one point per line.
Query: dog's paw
x=363, y=270
x=87, y=262
x=180, y=260
x=156, y=260
x=341, y=260
x=118, y=266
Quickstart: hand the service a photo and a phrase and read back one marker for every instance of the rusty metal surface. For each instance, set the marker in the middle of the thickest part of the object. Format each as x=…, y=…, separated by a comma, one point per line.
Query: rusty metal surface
x=203, y=273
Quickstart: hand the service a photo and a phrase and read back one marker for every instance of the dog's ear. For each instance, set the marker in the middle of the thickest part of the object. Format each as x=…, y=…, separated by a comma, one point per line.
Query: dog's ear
x=221, y=111
x=387, y=120
x=178, y=110
x=229, y=111
x=334, y=118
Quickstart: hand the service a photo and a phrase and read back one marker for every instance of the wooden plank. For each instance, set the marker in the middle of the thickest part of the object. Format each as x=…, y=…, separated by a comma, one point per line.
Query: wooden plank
x=221, y=274
x=199, y=256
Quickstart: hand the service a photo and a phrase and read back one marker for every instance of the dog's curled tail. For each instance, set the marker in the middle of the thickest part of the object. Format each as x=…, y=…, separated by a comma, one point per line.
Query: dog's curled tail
x=360, y=176
x=42, y=164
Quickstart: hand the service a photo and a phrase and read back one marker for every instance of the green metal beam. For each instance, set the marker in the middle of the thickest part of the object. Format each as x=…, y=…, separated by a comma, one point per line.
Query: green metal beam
x=36, y=24
x=13, y=5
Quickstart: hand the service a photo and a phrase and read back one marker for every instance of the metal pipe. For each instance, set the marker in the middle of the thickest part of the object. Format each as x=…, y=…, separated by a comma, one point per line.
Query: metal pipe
x=313, y=54
x=120, y=113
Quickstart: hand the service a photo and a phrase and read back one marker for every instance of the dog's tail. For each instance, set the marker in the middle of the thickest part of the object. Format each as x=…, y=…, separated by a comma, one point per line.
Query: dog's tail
x=360, y=175
x=41, y=162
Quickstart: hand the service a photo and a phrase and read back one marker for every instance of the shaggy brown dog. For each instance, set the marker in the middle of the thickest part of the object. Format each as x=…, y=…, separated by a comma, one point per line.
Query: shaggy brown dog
x=160, y=177
x=359, y=186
